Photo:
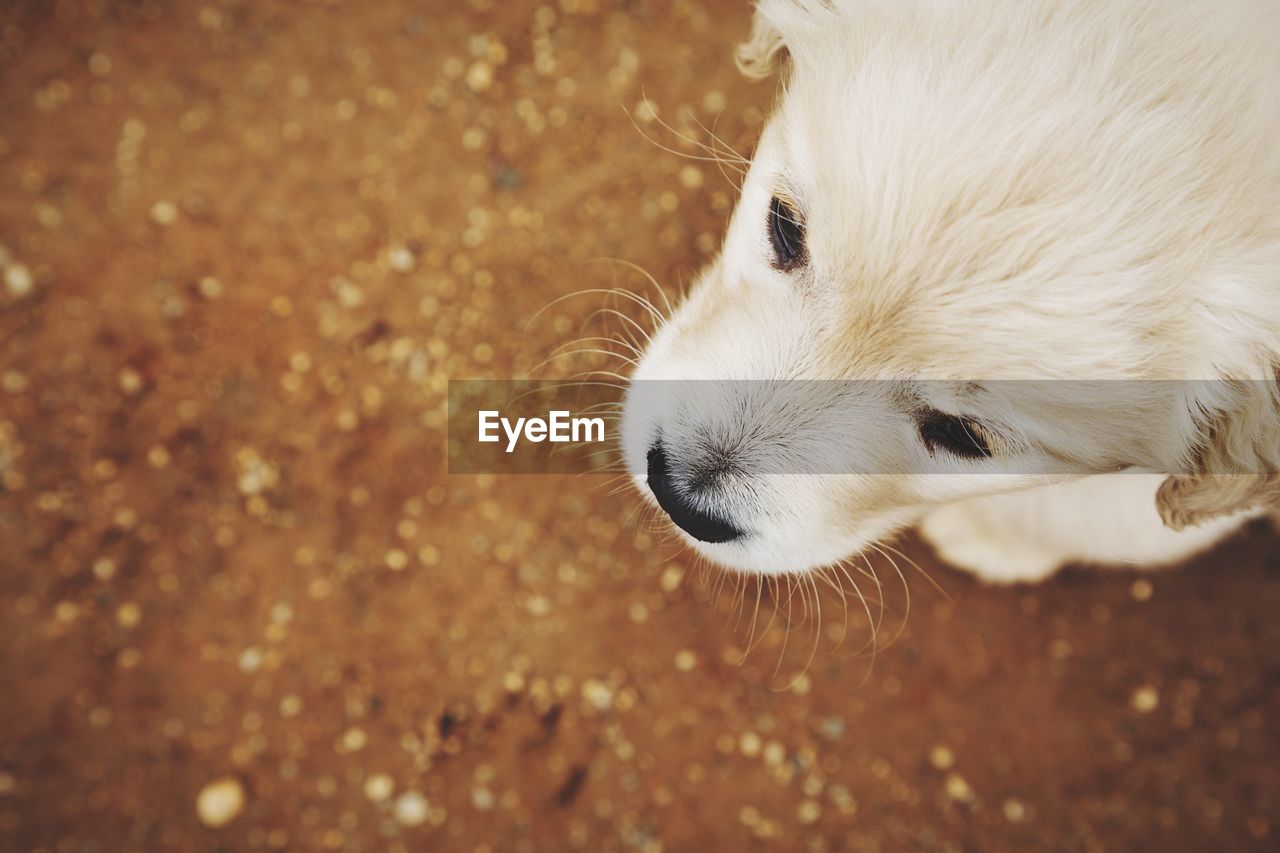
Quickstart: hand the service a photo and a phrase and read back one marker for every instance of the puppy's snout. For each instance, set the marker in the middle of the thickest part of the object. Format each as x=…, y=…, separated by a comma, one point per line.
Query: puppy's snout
x=678, y=500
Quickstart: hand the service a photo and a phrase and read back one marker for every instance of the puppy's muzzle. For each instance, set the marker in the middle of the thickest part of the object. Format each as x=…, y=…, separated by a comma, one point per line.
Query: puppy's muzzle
x=678, y=502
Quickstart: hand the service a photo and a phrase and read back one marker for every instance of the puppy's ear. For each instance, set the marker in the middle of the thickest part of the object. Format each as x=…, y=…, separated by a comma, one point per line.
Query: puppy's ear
x=759, y=56
x=1237, y=466
x=784, y=30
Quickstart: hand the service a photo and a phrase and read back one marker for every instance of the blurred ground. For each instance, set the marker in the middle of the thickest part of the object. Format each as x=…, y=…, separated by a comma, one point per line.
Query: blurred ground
x=244, y=246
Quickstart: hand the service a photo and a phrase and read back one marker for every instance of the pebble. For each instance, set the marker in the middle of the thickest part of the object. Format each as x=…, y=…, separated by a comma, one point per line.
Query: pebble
x=1014, y=810
x=129, y=614
x=1145, y=699
x=941, y=758
x=18, y=279
x=645, y=111
x=714, y=101
x=353, y=739
x=210, y=287
x=158, y=456
x=100, y=64
x=400, y=259
x=250, y=659
x=1142, y=590
x=597, y=694
x=843, y=799
x=104, y=568
x=256, y=474
x=411, y=809
x=480, y=76
x=671, y=578
x=220, y=801
x=833, y=728
x=164, y=213
x=482, y=798
x=130, y=380
x=379, y=787
x=958, y=789
x=14, y=382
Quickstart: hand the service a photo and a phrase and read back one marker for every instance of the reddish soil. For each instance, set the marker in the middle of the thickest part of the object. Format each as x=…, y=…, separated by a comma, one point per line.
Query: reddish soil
x=245, y=245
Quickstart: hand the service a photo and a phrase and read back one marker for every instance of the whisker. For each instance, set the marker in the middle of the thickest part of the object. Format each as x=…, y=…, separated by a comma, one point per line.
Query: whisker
x=722, y=161
x=919, y=569
x=569, y=353
x=614, y=312
x=793, y=584
x=682, y=154
x=751, y=643
x=906, y=589
x=844, y=602
x=647, y=276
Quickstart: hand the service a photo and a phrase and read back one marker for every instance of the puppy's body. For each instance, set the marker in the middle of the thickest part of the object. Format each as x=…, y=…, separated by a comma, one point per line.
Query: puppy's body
x=994, y=190
x=1101, y=520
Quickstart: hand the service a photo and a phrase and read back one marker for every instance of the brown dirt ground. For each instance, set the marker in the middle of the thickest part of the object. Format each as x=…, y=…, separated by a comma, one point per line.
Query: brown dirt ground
x=245, y=245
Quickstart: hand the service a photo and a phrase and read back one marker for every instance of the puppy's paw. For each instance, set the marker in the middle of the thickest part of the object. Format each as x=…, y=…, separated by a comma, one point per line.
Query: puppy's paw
x=962, y=539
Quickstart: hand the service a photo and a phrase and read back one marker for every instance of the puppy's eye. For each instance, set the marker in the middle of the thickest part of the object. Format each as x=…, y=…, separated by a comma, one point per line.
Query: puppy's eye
x=956, y=435
x=786, y=233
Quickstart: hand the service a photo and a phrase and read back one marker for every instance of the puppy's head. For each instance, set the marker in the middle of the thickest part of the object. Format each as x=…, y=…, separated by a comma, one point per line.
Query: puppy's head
x=925, y=212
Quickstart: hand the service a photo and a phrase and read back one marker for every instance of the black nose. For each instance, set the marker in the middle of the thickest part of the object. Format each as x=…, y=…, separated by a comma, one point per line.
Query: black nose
x=679, y=504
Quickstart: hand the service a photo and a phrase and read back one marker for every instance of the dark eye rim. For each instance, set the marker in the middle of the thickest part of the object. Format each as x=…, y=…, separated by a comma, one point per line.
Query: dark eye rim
x=786, y=235
x=959, y=436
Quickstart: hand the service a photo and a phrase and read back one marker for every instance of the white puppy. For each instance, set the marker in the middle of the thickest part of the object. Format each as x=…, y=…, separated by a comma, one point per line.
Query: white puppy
x=981, y=191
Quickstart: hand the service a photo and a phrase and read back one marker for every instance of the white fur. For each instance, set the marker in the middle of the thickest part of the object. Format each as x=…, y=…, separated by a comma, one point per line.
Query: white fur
x=998, y=189
x=1027, y=536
